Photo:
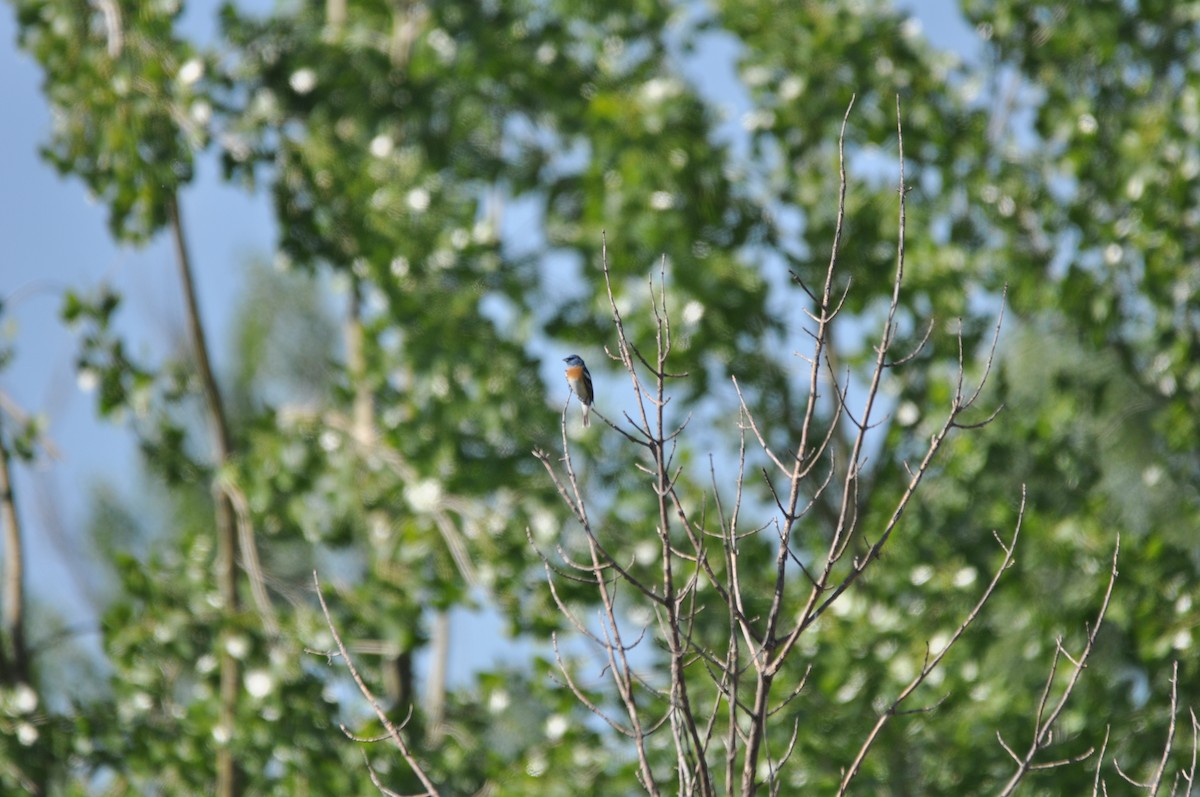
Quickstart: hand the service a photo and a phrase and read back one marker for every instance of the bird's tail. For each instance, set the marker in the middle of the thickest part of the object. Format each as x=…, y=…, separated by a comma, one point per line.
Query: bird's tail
x=587, y=421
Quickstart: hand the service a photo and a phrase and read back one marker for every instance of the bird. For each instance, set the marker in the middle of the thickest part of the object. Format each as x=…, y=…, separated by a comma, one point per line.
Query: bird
x=580, y=381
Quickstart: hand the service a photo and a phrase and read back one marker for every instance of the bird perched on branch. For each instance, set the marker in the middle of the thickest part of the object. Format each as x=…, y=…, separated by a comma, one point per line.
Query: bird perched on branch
x=580, y=381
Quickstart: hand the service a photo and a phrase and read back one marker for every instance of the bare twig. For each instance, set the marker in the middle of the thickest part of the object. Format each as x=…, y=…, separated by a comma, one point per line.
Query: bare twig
x=245, y=528
x=1099, y=764
x=1189, y=776
x=392, y=729
x=1044, y=721
x=1155, y=782
x=620, y=670
x=765, y=670
x=931, y=663
x=1156, y=778
x=684, y=727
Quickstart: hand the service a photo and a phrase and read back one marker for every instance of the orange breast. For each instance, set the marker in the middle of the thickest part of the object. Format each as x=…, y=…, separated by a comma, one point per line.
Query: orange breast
x=575, y=372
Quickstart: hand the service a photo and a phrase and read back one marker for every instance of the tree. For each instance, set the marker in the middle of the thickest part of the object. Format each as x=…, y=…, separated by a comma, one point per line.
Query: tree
x=454, y=167
x=21, y=699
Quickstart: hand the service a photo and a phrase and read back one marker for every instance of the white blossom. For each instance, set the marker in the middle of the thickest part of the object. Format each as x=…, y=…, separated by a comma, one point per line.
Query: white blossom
x=303, y=80
x=191, y=71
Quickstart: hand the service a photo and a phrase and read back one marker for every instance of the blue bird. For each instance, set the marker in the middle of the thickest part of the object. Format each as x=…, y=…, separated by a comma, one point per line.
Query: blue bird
x=580, y=381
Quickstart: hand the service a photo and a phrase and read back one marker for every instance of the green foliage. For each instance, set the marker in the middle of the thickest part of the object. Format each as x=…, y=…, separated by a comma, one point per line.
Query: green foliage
x=127, y=113
x=449, y=170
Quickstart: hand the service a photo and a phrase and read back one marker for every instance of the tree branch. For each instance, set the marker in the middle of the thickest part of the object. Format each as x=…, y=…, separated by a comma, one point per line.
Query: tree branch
x=14, y=662
x=1045, y=722
x=392, y=729
x=932, y=663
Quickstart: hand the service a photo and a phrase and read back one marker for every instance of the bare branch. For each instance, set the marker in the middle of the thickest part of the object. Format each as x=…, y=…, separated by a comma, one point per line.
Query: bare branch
x=621, y=671
x=764, y=669
x=991, y=358
x=378, y=784
x=226, y=485
x=1190, y=776
x=1100, y=764
x=931, y=663
x=392, y=729
x=1062, y=762
x=1126, y=778
x=754, y=428
x=227, y=537
x=1007, y=749
x=114, y=35
x=581, y=696
x=1156, y=778
x=916, y=349
x=1042, y=734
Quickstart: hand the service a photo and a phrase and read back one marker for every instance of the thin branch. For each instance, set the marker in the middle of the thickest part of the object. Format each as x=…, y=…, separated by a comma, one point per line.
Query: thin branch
x=764, y=672
x=1045, y=721
x=1190, y=775
x=754, y=428
x=920, y=347
x=392, y=729
x=1156, y=779
x=609, y=561
x=114, y=36
x=250, y=562
x=587, y=702
x=621, y=670
x=1062, y=762
x=1100, y=764
x=932, y=663
x=1008, y=749
x=228, y=779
